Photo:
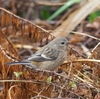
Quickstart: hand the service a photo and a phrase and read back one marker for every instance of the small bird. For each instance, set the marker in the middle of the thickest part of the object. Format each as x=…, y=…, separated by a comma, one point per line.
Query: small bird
x=49, y=57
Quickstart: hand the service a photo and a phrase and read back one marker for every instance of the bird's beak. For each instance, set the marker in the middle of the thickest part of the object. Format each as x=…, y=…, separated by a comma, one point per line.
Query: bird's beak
x=67, y=42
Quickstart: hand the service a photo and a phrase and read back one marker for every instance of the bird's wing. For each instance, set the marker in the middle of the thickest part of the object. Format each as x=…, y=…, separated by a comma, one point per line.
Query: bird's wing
x=44, y=54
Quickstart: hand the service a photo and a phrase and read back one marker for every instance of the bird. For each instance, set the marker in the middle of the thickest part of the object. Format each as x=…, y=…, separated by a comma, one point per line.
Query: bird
x=49, y=57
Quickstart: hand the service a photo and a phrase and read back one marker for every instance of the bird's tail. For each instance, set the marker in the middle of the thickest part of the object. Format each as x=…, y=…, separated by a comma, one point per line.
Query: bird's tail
x=21, y=63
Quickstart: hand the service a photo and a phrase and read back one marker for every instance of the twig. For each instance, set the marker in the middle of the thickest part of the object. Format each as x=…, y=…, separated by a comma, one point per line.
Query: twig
x=9, y=91
x=95, y=47
x=83, y=60
x=85, y=35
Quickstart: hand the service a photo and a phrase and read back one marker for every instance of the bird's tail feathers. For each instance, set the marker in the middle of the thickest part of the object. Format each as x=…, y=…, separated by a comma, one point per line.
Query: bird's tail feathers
x=21, y=63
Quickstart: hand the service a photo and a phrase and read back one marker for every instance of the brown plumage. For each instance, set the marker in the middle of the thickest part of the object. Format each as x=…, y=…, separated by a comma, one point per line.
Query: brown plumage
x=49, y=57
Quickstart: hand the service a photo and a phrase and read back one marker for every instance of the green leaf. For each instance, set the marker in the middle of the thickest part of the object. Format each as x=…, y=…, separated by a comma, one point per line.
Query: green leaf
x=64, y=7
x=18, y=74
x=49, y=79
x=93, y=16
x=72, y=84
x=45, y=12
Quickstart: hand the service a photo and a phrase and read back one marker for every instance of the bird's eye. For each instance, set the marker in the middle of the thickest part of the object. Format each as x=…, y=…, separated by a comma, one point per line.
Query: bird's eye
x=62, y=42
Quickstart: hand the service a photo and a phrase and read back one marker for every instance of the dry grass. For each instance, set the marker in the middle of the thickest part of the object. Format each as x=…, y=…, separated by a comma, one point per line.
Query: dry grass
x=77, y=78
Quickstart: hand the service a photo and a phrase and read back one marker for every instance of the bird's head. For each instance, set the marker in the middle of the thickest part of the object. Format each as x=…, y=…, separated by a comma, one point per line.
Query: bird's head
x=59, y=43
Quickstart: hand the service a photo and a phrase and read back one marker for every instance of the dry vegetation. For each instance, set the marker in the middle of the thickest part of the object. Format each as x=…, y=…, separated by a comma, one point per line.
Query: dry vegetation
x=79, y=75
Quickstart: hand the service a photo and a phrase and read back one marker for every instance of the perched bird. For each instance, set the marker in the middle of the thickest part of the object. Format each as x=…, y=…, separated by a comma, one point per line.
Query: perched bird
x=49, y=57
